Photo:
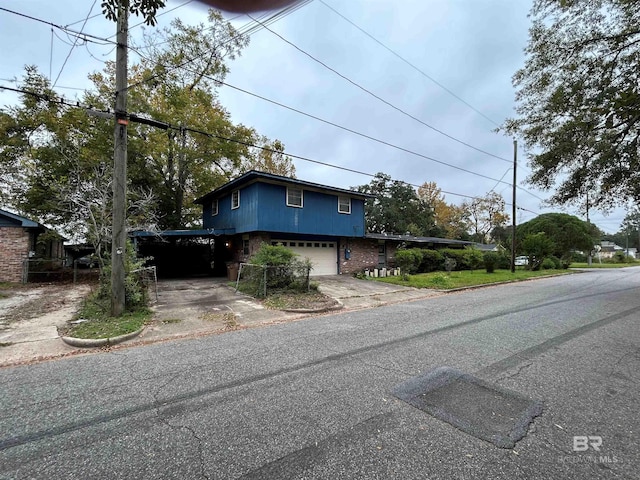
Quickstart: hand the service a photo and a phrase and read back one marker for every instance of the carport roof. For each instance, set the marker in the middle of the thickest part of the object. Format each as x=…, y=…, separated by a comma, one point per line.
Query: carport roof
x=203, y=232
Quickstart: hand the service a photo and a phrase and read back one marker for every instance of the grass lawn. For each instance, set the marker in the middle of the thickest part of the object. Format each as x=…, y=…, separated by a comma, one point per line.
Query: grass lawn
x=604, y=265
x=101, y=325
x=444, y=281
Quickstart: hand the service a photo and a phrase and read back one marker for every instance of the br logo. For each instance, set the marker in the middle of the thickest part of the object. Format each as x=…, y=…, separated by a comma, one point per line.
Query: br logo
x=582, y=443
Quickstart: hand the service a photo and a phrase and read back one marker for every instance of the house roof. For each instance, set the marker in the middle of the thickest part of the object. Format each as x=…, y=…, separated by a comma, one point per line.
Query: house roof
x=8, y=219
x=256, y=176
x=412, y=239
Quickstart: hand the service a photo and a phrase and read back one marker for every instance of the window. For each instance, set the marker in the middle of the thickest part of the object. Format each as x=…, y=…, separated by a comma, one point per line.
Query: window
x=245, y=247
x=344, y=205
x=214, y=208
x=294, y=197
x=235, y=199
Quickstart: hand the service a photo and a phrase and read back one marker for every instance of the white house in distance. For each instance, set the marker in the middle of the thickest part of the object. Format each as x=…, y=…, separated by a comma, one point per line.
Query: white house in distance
x=609, y=249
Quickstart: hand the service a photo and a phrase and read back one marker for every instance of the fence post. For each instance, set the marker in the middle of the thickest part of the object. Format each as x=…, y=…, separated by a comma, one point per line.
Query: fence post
x=75, y=271
x=238, y=279
x=265, y=280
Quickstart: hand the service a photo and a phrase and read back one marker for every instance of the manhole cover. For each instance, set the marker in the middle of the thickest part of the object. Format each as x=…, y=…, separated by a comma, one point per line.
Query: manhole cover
x=494, y=414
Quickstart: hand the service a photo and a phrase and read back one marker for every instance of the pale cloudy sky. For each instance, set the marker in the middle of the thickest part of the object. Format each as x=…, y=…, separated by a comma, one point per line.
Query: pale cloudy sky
x=469, y=47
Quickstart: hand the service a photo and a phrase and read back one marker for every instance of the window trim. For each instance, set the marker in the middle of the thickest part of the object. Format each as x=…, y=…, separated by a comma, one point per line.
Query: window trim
x=349, y=199
x=235, y=192
x=301, y=198
x=215, y=208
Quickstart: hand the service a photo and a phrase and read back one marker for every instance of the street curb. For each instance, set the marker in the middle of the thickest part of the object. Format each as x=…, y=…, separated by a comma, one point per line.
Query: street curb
x=506, y=282
x=340, y=306
x=100, y=342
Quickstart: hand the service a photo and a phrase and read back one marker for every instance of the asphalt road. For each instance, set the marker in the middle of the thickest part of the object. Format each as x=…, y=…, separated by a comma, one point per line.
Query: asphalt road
x=311, y=399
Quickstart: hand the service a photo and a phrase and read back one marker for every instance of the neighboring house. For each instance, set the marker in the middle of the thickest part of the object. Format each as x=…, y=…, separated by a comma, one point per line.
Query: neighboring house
x=325, y=224
x=489, y=247
x=19, y=242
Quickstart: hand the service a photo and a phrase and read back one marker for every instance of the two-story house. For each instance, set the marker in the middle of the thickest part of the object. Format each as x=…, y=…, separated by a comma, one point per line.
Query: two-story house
x=323, y=223
x=313, y=220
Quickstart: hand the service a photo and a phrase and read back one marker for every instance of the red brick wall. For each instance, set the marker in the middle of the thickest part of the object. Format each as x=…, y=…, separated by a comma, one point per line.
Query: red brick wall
x=364, y=255
x=14, y=248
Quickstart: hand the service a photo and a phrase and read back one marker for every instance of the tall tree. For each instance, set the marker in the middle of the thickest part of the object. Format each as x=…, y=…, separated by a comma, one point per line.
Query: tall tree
x=45, y=145
x=486, y=215
x=396, y=208
x=566, y=232
x=451, y=219
x=578, y=100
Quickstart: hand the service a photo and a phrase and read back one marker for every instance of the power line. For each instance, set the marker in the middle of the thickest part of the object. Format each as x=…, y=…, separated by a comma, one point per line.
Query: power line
x=85, y=36
x=165, y=125
x=74, y=44
x=369, y=92
x=244, y=30
x=396, y=54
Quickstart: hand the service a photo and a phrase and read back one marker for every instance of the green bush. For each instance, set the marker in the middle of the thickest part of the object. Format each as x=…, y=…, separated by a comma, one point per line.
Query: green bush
x=473, y=259
x=432, y=260
x=548, y=264
x=557, y=263
x=273, y=255
x=490, y=261
x=578, y=257
x=135, y=291
x=406, y=260
x=457, y=255
x=504, y=260
x=281, y=269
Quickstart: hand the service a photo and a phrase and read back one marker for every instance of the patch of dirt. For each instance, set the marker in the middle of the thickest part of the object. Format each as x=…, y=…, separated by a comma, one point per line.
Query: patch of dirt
x=34, y=301
x=299, y=301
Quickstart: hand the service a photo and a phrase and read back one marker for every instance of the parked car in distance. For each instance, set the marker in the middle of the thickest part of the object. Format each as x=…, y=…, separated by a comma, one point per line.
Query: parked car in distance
x=521, y=261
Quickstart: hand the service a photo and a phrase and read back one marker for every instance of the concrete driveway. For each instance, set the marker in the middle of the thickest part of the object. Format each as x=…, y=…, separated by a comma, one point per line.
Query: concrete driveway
x=355, y=294
x=184, y=308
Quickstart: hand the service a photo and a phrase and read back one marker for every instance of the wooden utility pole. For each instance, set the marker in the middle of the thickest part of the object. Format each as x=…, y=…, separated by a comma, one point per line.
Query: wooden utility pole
x=119, y=231
x=514, y=209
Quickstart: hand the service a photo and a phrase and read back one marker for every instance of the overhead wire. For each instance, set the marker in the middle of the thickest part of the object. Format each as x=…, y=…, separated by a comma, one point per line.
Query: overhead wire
x=62, y=101
x=417, y=69
x=74, y=44
x=262, y=25
x=379, y=98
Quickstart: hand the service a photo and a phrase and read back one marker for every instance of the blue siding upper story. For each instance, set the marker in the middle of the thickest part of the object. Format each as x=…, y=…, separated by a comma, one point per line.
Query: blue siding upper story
x=263, y=208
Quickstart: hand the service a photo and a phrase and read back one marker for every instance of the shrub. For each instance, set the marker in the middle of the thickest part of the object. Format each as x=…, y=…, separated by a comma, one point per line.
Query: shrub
x=135, y=291
x=473, y=259
x=432, y=260
x=548, y=264
x=281, y=269
x=490, y=261
x=457, y=255
x=556, y=262
x=406, y=260
x=578, y=257
x=504, y=260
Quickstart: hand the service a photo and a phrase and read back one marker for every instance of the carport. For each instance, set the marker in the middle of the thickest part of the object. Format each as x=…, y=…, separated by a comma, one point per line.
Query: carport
x=184, y=253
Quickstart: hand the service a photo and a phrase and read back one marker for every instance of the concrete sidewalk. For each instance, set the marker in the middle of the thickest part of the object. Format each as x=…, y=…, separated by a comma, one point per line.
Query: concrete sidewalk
x=184, y=308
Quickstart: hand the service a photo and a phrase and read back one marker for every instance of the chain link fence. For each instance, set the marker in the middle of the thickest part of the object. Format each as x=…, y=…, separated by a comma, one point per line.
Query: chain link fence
x=263, y=280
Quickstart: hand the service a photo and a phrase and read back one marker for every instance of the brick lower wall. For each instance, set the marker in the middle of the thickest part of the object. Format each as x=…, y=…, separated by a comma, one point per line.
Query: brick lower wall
x=14, y=248
x=364, y=255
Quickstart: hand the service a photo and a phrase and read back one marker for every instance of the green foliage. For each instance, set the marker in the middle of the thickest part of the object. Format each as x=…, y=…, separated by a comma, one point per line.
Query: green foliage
x=407, y=261
x=58, y=164
x=538, y=246
x=566, y=232
x=490, y=261
x=145, y=8
x=396, y=208
x=548, y=264
x=136, y=292
x=466, y=259
x=432, y=260
x=275, y=268
x=557, y=263
x=273, y=255
x=577, y=100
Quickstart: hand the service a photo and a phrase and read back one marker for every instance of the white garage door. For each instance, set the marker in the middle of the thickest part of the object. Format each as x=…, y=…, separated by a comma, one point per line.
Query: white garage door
x=323, y=254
